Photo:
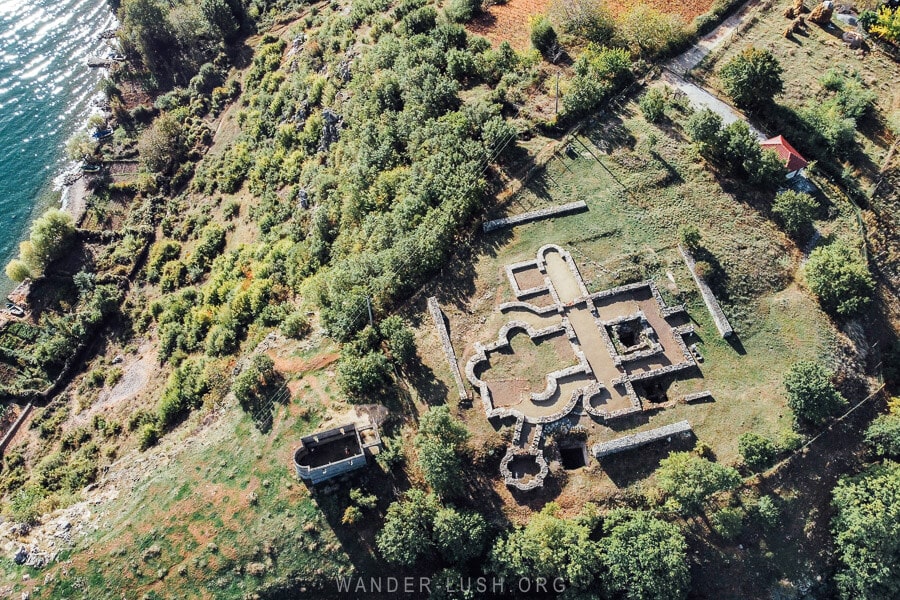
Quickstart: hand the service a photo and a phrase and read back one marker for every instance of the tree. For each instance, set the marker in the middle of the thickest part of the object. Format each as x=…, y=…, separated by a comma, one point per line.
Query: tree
x=883, y=435
x=690, y=480
x=795, y=211
x=689, y=237
x=728, y=522
x=163, y=145
x=704, y=127
x=757, y=451
x=866, y=531
x=462, y=11
x=460, y=536
x=51, y=235
x=588, y=19
x=295, y=325
x=400, y=339
x=407, y=533
x=251, y=382
x=543, y=36
x=80, y=147
x=551, y=547
x=752, y=78
x=598, y=71
x=440, y=443
x=221, y=18
x=17, y=270
x=839, y=278
x=647, y=31
x=644, y=557
x=768, y=512
x=147, y=32
x=653, y=104
x=811, y=395
x=363, y=376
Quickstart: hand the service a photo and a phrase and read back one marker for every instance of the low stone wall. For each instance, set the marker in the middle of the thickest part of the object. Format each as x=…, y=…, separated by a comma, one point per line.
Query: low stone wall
x=688, y=398
x=535, y=482
x=444, y=336
x=712, y=304
x=14, y=428
x=553, y=211
x=637, y=440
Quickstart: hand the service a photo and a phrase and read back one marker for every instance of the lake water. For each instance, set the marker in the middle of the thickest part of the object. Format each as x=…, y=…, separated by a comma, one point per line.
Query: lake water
x=45, y=95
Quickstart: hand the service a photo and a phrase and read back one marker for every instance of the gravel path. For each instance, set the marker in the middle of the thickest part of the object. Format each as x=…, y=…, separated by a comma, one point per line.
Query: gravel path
x=675, y=69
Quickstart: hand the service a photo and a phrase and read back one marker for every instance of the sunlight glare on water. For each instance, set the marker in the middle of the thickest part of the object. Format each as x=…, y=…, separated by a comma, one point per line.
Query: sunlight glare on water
x=45, y=96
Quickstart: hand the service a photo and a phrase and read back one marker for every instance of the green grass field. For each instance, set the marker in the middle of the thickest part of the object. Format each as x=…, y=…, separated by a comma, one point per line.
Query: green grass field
x=639, y=194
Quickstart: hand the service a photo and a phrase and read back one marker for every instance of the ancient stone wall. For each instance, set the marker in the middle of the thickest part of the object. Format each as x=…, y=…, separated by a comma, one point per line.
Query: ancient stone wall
x=636, y=440
x=444, y=336
x=553, y=211
x=712, y=304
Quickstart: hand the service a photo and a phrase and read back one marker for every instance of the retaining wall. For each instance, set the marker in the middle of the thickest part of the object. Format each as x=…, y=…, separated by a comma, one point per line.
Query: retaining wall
x=535, y=215
x=636, y=440
x=444, y=336
x=712, y=304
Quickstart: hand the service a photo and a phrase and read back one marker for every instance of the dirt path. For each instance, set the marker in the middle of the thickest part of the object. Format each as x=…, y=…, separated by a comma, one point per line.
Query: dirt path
x=675, y=70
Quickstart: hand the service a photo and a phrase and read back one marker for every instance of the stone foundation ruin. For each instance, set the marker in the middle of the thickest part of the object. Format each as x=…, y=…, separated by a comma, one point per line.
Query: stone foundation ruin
x=618, y=337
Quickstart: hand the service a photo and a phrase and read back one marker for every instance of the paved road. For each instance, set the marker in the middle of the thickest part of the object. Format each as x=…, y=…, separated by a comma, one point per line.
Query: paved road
x=674, y=70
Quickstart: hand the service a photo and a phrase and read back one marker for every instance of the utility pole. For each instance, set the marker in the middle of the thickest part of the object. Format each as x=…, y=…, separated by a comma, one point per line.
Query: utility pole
x=369, y=306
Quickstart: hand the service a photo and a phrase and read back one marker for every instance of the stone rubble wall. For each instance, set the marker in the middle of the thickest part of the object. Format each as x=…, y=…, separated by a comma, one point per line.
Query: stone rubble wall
x=712, y=304
x=535, y=482
x=511, y=271
x=544, y=213
x=688, y=398
x=444, y=336
x=636, y=440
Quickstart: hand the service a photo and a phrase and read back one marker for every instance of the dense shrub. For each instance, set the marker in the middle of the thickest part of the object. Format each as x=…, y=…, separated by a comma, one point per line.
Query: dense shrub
x=795, y=211
x=598, y=72
x=752, y=78
x=184, y=391
x=866, y=531
x=758, y=451
x=653, y=104
x=811, y=395
x=883, y=435
x=543, y=36
x=689, y=480
x=161, y=253
x=839, y=278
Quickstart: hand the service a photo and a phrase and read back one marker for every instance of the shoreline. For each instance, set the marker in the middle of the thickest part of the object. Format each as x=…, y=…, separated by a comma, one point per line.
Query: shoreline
x=74, y=199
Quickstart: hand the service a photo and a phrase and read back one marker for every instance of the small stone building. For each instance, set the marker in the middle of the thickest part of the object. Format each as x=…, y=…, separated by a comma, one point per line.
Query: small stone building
x=328, y=454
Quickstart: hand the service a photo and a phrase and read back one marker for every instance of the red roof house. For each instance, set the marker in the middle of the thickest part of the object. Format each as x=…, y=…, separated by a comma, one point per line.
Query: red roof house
x=792, y=159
